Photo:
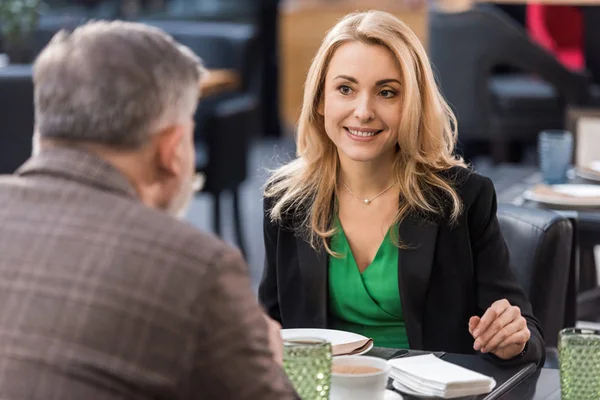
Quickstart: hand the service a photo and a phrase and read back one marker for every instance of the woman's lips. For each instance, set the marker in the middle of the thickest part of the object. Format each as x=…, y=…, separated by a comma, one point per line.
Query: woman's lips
x=362, y=134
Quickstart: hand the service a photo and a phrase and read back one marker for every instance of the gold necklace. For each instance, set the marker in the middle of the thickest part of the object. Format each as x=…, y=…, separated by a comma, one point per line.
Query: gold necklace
x=366, y=201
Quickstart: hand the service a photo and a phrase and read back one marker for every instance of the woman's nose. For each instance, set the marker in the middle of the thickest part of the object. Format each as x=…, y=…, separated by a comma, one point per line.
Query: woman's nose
x=364, y=110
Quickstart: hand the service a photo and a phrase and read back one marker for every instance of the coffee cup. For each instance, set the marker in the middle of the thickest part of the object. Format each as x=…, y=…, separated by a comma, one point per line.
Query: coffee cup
x=359, y=378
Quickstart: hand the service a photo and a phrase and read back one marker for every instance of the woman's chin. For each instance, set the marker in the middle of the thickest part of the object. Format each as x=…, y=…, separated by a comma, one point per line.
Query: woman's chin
x=362, y=155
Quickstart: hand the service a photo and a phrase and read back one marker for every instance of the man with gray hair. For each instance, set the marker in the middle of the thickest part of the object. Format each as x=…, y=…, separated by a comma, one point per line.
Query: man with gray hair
x=103, y=294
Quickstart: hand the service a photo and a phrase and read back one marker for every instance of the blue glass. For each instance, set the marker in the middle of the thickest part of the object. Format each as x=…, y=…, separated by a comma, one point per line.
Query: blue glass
x=555, y=151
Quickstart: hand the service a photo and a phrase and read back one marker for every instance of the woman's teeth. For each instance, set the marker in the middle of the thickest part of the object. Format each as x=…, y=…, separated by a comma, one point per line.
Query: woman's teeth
x=363, y=134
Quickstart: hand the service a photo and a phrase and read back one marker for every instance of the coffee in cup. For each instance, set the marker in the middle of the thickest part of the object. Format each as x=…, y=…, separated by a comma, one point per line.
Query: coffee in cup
x=358, y=378
x=354, y=369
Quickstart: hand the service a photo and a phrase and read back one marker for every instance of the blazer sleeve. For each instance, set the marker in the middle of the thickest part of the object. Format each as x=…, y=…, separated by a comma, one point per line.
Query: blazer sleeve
x=267, y=290
x=495, y=277
x=232, y=358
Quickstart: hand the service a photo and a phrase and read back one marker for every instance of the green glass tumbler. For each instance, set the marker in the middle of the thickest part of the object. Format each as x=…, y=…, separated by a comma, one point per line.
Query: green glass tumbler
x=579, y=357
x=307, y=363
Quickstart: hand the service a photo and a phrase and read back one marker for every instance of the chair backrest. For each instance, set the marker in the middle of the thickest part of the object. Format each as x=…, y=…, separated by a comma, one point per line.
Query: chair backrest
x=16, y=116
x=463, y=48
x=541, y=249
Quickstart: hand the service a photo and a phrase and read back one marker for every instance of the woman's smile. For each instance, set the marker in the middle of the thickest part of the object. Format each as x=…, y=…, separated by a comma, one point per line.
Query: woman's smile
x=362, y=134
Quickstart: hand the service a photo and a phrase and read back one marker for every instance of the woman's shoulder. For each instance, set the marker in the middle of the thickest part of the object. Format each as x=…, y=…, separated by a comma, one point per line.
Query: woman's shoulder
x=288, y=217
x=469, y=185
x=464, y=177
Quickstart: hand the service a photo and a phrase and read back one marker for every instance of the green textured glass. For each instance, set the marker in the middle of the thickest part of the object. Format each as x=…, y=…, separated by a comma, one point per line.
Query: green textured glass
x=307, y=363
x=579, y=356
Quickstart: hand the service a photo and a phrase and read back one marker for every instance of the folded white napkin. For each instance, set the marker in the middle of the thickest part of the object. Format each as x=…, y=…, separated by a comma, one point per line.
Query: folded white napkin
x=430, y=376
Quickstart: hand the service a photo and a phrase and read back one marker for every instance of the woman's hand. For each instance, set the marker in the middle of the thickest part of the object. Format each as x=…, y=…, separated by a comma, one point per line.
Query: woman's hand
x=502, y=330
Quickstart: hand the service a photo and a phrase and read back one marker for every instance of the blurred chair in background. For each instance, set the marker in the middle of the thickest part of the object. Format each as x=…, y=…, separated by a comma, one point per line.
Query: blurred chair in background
x=268, y=23
x=499, y=110
x=591, y=42
x=16, y=116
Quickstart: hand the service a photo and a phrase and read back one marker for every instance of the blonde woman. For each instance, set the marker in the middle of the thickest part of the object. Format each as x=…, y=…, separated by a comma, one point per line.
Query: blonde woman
x=376, y=227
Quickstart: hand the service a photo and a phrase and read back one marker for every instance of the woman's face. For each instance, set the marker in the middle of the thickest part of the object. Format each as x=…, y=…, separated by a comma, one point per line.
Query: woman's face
x=361, y=103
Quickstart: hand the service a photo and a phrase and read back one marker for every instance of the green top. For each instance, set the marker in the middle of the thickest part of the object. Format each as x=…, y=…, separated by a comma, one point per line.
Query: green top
x=367, y=303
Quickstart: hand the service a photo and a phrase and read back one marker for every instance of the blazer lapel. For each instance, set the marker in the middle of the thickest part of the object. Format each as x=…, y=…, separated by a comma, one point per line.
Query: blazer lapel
x=313, y=270
x=414, y=270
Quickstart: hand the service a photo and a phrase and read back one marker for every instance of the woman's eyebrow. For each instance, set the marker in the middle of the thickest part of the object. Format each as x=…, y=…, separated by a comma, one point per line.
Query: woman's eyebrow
x=378, y=83
x=347, y=78
x=386, y=81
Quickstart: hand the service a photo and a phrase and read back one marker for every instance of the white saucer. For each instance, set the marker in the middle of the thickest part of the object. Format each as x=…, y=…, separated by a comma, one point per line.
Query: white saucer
x=391, y=395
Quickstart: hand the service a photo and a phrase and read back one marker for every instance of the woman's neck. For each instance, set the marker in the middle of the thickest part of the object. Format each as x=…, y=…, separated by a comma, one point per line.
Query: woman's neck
x=366, y=179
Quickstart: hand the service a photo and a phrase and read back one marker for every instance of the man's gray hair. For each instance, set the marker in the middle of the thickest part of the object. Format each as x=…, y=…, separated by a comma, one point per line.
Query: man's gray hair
x=113, y=83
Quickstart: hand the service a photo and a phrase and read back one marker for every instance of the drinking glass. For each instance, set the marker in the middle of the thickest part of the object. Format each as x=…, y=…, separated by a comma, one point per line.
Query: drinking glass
x=555, y=149
x=579, y=357
x=307, y=363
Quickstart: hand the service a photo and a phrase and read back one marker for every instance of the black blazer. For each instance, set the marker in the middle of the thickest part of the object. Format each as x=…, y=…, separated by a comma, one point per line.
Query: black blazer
x=448, y=274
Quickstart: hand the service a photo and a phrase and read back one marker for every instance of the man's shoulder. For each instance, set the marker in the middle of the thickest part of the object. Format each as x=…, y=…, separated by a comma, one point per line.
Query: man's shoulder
x=164, y=233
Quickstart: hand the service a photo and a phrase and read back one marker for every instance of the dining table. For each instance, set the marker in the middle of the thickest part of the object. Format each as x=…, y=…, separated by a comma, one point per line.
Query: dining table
x=525, y=382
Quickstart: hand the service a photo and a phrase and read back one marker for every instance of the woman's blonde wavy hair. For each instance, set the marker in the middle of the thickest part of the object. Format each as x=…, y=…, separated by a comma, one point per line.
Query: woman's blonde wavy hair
x=305, y=187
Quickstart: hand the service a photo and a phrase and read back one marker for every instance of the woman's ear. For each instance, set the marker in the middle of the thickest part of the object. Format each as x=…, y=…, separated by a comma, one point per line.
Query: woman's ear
x=321, y=106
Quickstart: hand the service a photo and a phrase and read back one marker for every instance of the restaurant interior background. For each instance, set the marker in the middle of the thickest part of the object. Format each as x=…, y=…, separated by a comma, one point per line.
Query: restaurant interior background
x=510, y=70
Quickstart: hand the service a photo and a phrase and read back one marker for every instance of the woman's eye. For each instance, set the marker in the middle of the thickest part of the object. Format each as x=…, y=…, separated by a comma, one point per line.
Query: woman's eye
x=345, y=89
x=388, y=94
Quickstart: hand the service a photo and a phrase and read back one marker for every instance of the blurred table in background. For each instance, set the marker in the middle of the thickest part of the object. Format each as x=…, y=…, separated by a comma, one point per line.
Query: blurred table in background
x=218, y=81
x=303, y=25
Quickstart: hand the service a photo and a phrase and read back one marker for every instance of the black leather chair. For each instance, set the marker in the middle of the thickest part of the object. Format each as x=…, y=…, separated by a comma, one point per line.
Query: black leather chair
x=16, y=116
x=588, y=300
x=541, y=245
x=466, y=46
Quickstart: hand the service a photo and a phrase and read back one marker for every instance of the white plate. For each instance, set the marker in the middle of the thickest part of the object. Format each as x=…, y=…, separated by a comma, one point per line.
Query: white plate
x=582, y=195
x=591, y=172
x=331, y=335
x=590, y=176
x=594, y=165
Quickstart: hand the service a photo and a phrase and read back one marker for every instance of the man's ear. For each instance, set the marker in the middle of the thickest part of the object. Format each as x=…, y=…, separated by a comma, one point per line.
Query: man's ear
x=169, y=150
